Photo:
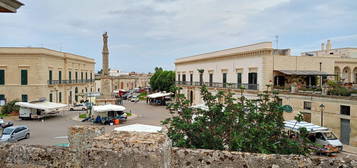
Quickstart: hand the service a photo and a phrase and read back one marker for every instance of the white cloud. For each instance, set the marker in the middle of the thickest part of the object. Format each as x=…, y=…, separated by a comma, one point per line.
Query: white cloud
x=158, y=31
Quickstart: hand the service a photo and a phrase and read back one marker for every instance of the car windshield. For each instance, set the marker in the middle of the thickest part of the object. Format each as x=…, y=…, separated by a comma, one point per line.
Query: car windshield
x=330, y=136
x=7, y=131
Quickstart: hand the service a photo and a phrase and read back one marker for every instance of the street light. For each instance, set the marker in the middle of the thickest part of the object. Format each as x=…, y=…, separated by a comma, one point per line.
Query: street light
x=322, y=107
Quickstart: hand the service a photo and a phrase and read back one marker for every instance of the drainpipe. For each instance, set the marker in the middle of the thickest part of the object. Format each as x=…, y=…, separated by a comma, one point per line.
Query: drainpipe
x=320, y=76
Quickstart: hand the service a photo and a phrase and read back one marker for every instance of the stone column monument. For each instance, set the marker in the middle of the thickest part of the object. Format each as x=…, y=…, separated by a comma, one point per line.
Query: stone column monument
x=106, y=94
x=105, y=54
x=105, y=83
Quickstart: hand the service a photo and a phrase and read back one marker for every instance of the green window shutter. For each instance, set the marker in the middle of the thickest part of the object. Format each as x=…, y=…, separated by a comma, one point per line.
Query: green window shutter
x=60, y=76
x=50, y=77
x=2, y=77
x=24, y=77
x=24, y=98
x=239, y=78
x=50, y=97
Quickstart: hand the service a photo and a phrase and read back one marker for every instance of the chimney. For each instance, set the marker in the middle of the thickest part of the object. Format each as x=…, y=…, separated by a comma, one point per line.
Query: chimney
x=322, y=46
x=328, y=45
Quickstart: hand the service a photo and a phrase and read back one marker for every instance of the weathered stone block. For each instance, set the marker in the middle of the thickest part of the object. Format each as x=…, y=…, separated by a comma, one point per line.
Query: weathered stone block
x=136, y=149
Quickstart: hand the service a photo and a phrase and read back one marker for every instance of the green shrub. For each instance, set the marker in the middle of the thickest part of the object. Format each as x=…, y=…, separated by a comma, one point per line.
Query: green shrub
x=3, y=115
x=236, y=124
x=339, y=91
x=142, y=95
x=83, y=115
x=129, y=114
x=10, y=107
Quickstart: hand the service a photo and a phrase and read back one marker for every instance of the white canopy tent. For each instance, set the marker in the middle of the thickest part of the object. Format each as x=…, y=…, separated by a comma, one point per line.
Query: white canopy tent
x=159, y=94
x=108, y=107
x=139, y=128
x=45, y=106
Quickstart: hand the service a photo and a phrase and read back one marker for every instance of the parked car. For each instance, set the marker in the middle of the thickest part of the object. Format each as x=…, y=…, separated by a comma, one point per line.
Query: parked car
x=15, y=133
x=134, y=99
x=127, y=96
x=78, y=107
x=5, y=125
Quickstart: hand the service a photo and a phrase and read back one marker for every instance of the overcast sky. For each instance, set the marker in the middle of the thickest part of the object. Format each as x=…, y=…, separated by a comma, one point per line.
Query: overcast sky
x=144, y=34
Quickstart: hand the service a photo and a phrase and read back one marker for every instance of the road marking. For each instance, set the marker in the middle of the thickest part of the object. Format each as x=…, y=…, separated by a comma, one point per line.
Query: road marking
x=61, y=137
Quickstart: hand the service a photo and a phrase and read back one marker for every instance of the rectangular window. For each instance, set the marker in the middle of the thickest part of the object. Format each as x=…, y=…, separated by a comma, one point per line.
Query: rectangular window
x=191, y=78
x=24, y=98
x=280, y=101
x=201, y=78
x=70, y=76
x=50, y=97
x=210, y=79
x=178, y=77
x=307, y=105
x=224, y=80
x=345, y=110
x=82, y=76
x=60, y=76
x=307, y=117
x=50, y=76
x=2, y=100
x=86, y=76
x=252, y=80
x=60, y=97
x=91, y=76
x=76, y=77
x=184, y=78
x=2, y=77
x=24, y=77
x=239, y=78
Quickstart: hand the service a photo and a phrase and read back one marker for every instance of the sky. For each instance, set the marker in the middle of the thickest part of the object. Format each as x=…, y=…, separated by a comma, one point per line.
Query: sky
x=144, y=34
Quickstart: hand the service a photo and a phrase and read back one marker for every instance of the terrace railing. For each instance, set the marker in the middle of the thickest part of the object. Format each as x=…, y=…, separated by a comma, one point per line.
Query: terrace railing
x=57, y=82
x=220, y=85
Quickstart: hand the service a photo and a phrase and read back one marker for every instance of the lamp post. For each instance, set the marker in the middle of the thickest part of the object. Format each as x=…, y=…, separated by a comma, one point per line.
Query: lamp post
x=322, y=107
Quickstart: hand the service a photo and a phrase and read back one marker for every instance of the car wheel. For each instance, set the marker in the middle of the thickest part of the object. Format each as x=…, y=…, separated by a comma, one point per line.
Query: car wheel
x=71, y=109
x=27, y=136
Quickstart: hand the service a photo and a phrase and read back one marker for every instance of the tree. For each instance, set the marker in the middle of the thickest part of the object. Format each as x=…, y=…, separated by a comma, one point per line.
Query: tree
x=162, y=80
x=237, y=124
x=10, y=107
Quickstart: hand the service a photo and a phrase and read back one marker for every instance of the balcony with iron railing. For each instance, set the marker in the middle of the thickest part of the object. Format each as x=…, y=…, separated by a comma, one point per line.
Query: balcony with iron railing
x=59, y=82
x=220, y=85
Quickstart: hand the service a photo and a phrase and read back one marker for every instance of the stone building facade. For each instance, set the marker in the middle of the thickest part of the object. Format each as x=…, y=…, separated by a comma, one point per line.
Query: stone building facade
x=255, y=66
x=27, y=74
x=125, y=82
x=10, y=6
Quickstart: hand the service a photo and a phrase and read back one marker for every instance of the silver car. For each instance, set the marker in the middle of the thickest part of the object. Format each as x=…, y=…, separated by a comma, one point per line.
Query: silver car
x=15, y=133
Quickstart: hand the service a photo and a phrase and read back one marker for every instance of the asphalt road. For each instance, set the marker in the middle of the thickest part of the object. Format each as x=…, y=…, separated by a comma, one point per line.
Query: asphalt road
x=51, y=131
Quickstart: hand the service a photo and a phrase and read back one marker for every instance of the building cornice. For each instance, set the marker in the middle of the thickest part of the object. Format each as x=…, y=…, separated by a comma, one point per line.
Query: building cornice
x=242, y=50
x=43, y=52
x=257, y=52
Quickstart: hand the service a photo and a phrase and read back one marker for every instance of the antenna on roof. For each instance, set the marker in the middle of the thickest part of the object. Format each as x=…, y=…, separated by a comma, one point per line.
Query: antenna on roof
x=277, y=41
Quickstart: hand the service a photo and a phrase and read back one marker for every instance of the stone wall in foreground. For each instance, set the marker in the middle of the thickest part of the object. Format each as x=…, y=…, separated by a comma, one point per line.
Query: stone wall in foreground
x=91, y=148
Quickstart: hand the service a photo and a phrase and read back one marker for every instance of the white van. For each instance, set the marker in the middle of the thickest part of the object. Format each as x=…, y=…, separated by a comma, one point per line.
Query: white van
x=318, y=134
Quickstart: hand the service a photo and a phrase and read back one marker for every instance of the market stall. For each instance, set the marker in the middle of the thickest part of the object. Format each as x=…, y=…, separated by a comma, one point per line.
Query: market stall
x=109, y=114
x=40, y=109
x=159, y=98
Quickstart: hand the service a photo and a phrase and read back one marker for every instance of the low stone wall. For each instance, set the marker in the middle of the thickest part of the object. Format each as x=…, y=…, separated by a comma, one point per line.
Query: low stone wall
x=181, y=157
x=14, y=155
x=91, y=148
